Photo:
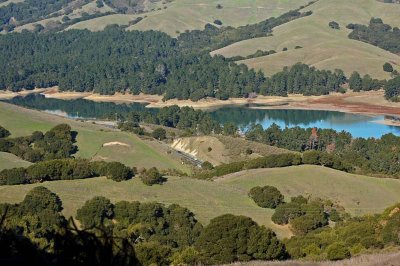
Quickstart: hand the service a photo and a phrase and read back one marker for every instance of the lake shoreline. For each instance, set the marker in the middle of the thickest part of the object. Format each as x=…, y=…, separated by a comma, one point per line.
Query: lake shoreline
x=351, y=102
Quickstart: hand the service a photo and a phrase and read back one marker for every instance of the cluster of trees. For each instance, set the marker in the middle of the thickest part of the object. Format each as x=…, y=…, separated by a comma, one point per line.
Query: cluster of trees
x=392, y=89
x=377, y=33
x=56, y=143
x=151, y=176
x=65, y=169
x=365, y=83
x=337, y=149
x=259, y=53
x=185, y=118
x=212, y=37
x=271, y=161
x=266, y=197
x=303, y=79
x=348, y=238
x=129, y=233
x=304, y=215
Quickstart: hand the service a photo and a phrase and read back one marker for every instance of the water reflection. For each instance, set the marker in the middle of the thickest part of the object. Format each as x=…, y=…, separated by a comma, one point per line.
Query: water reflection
x=357, y=125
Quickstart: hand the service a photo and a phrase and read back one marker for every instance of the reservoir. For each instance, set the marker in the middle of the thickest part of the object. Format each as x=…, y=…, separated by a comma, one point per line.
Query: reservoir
x=242, y=116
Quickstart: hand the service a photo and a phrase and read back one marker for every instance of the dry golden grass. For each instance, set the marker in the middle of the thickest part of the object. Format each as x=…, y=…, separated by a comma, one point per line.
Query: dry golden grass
x=323, y=47
x=224, y=149
x=381, y=259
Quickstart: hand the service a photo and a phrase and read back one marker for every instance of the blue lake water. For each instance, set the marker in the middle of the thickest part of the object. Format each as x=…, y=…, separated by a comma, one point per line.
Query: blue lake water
x=243, y=117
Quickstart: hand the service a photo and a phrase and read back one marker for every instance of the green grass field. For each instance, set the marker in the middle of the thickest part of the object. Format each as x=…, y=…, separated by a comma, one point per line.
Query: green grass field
x=90, y=140
x=182, y=15
x=358, y=194
x=324, y=47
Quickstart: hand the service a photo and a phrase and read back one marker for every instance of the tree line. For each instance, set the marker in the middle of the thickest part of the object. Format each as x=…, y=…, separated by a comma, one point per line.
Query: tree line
x=324, y=147
x=65, y=169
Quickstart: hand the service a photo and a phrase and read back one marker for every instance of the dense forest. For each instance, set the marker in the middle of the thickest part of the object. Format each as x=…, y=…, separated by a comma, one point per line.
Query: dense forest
x=377, y=33
x=149, y=62
x=34, y=231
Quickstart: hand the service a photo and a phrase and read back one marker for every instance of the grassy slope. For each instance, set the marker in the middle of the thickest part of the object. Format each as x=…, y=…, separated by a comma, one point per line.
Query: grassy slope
x=8, y=160
x=182, y=15
x=324, y=47
x=358, y=194
x=206, y=199
x=22, y=122
x=229, y=195
x=89, y=8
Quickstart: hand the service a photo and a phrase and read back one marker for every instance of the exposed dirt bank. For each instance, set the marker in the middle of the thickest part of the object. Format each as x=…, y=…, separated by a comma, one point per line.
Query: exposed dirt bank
x=369, y=103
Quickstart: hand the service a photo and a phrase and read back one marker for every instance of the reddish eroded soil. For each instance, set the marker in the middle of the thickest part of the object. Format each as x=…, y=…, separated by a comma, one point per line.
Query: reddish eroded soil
x=339, y=102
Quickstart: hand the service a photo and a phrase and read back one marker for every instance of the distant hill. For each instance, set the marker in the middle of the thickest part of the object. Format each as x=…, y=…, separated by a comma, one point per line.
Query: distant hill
x=322, y=46
x=309, y=40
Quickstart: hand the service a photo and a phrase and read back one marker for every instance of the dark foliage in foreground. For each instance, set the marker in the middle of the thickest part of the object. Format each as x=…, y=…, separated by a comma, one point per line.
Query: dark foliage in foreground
x=34, y=232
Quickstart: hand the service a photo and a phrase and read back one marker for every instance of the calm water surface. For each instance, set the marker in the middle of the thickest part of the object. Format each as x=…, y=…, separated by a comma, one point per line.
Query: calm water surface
x=357, y=125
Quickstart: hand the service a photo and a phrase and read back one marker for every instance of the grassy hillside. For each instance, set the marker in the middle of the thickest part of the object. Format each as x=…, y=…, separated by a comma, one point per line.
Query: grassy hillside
x=181, y=15
x=90, y=140
x=358, y=194
x=8, y=160
x=324, y=47
x=229, y=195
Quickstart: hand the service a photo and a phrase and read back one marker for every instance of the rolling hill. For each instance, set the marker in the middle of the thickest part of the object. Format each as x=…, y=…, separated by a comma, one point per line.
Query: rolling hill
x=323, y=47
x=207, y=199
x=93, y=141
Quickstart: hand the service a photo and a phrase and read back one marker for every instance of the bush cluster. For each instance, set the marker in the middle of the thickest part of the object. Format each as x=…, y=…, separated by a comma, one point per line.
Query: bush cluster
x=266, y=197
x=65, y=169
x=57, y=143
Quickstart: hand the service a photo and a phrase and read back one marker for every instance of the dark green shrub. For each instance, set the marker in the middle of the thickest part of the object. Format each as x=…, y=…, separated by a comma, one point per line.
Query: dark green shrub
x=4, y=132
x=96, y=212
x=266, y=197
x=230, y=238
x=207, y=166
x=387, y=67
x=311, y=157
x=118, y=171
x=13, y=176
x=151, y=177
x=159, y=133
